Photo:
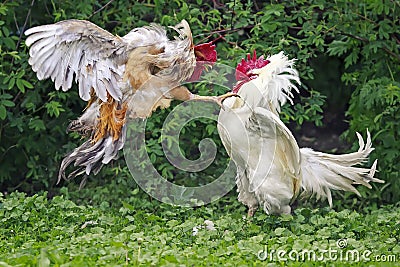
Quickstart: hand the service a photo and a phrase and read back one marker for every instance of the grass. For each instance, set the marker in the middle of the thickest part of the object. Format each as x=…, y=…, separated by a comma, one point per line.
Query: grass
x=115, y=225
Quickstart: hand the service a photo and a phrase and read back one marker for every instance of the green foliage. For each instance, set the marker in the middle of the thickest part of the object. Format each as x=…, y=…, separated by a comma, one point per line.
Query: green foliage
x=355, y=40
x=32, y=115
x=376, y=106
x=369, y=44
x=133, y=230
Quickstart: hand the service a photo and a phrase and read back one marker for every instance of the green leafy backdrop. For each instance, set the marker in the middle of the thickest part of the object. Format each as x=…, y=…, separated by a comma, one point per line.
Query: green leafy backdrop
x=347, y=51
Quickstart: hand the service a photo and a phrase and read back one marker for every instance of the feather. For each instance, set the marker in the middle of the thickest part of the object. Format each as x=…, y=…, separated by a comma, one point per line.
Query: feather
x=272, y=169
x=84, y=91
x=115, y=75
x=53, y=50
x=40, y=33
x=323, y=172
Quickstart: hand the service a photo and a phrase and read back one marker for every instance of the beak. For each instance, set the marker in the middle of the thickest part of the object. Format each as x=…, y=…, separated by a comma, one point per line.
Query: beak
x=207, y=67
x=198, y=54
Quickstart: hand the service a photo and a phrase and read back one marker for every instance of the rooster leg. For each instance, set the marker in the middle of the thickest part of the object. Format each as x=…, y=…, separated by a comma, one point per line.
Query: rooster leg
x=183, y=94
x=216, y=99
x=251, y=211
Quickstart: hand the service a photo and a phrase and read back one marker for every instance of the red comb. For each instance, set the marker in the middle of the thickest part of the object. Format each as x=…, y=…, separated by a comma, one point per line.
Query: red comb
x=205, y=55
x=251, y=63
x=206, y=52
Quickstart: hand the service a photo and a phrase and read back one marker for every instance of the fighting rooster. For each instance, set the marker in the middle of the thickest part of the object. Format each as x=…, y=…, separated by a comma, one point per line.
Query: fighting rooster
x=271, y=168
x=119, y=77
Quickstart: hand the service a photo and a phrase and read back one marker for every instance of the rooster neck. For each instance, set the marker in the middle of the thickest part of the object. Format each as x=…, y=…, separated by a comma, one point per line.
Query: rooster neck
x=139, y=65
x=251, y=94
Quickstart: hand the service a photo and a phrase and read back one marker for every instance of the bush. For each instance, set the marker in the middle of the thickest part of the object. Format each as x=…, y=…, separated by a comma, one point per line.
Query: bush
x=362, y=36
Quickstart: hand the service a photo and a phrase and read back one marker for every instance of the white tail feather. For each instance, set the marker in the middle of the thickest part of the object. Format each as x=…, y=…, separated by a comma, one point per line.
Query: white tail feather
x=322, y=172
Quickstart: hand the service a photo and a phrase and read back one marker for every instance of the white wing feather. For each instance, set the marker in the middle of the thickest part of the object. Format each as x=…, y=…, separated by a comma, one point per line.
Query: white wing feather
x=286, y=158
x=80, y=49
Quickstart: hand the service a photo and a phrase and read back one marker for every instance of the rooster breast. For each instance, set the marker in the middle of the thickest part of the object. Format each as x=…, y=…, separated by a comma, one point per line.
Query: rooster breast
x=262, y=176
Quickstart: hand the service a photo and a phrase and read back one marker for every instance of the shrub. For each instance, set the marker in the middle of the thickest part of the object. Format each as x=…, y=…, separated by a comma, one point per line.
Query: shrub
x=363, y=36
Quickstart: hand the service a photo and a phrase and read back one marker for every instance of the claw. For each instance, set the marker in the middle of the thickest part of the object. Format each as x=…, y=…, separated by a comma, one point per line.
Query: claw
x=221, y=98
x=225, y=96
x=216, y=99
x=251, y=211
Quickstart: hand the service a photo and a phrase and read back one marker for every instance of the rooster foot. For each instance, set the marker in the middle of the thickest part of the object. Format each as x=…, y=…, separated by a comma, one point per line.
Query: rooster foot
x=251, y=211
x=216, y=99
x=221, y=98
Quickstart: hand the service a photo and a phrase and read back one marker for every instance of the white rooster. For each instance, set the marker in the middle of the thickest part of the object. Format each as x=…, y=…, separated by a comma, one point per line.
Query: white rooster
x=271, y=168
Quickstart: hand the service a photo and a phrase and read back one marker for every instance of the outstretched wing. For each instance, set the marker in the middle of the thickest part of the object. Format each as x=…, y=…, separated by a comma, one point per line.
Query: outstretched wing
x=78, y=48
x=266, y=124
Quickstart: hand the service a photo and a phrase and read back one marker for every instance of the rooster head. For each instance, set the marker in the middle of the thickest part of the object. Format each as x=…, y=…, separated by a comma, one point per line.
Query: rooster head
x=205, y=52
x=206, y=55
x=244, y=70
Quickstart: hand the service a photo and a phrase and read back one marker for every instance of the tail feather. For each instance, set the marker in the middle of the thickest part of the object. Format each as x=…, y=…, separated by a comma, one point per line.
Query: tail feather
x=354, y=158
x=322, y=172
x=90, y=157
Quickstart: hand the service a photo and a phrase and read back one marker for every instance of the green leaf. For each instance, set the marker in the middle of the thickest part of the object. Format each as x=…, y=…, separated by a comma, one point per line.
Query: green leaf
x=27, y=84
x=11, y=83
x=128, y=206
x=3, y=112
x=21, y=85
x=6, y=96
x=351, y=59
x=36, y=124
x=9, y=42
x=337, y=48
x=7, y=103
x=3, y=10
x=5, y=31
x=54, y=108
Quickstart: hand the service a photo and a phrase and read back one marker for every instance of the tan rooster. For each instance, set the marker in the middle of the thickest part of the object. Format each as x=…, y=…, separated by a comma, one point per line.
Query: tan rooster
x=120, y=77
x=272, y=169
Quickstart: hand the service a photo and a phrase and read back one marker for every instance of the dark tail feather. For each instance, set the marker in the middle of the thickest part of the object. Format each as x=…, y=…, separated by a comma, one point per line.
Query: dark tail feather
x=79, y=127
x=89, y=158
